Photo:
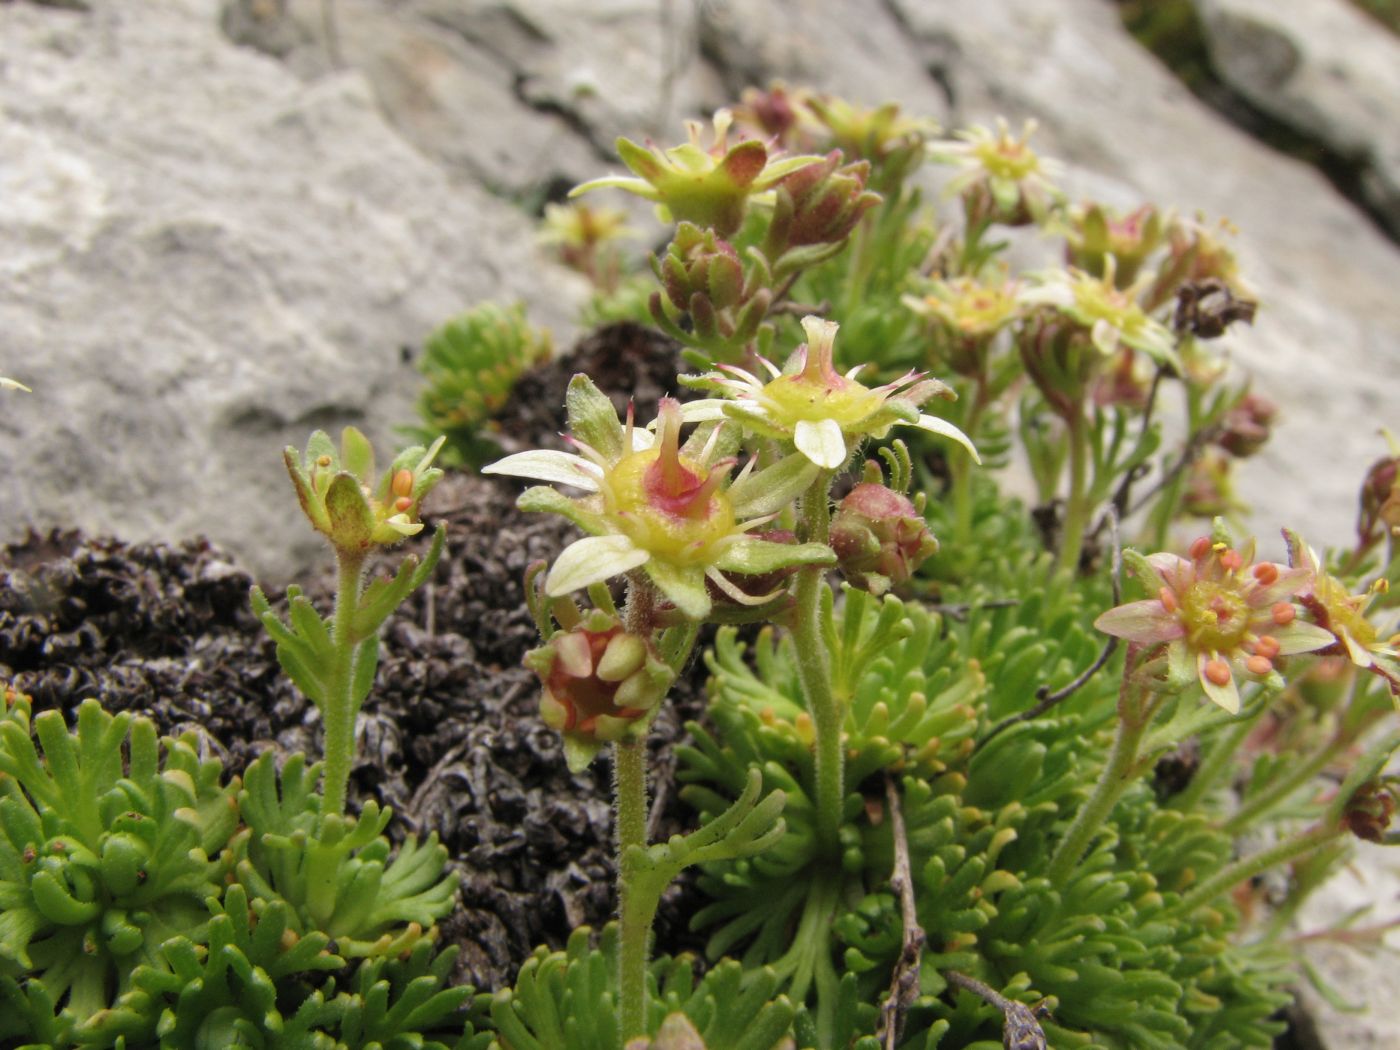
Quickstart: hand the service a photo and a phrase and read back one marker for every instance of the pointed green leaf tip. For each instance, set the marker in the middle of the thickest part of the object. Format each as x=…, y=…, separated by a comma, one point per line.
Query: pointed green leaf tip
x=579, y=752
x=357, y=455
x=592, y=418
x=676, y=1033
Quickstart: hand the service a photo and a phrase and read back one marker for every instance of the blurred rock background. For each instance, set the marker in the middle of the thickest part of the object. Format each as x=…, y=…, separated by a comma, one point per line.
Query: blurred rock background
x=224, y=223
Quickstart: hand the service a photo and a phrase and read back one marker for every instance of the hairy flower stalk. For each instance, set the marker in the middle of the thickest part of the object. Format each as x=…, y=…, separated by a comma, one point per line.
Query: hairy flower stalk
x=333, y=662
x=670, y=517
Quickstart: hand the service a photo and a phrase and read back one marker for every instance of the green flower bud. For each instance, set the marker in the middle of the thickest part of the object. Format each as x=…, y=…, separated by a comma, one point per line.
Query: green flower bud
x=339, y=497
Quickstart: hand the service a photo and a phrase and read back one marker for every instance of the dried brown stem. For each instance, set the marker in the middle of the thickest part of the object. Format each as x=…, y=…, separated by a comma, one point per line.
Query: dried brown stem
x=904, y=984
x=1020, y=1026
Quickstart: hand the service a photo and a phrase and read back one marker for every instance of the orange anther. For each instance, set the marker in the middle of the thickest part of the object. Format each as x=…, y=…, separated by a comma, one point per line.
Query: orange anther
x=1267, y=646
x=403, y=503
x=403, y=483
x=1168, y=599
x=1283, y=613
x=1259, y=664
x=1266, y=572
x=1217, y=672
x=323, y=461
x=1200, y=548
x=1231, y=560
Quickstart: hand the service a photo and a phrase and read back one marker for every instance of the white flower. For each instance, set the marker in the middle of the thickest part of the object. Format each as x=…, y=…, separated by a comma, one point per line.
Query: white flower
x=820, y=411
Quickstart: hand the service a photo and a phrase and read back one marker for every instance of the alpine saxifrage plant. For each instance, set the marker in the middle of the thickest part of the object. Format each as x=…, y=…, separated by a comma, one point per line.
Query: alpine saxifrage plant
x=971, y=773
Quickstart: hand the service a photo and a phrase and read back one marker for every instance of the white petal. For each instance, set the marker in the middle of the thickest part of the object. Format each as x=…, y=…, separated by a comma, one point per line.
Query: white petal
x=706, y=410
x=934, y=425
x=592, y=560
x=561, y=468
x=742, y=597
x=821, y=441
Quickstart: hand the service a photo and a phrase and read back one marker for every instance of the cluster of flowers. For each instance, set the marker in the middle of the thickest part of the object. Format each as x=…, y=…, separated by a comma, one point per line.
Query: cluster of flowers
x=688, y=522
x=1220, y=615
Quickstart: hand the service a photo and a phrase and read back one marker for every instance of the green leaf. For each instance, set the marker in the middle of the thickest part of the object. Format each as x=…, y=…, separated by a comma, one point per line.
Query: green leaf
x=357, y=455
x=592, y=418
x=774, y=488
x=684, y=587
x=761, y=556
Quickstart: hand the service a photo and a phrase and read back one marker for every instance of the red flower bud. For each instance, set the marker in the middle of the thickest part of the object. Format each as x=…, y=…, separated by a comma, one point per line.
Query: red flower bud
x=600, y=684
x=879, y=537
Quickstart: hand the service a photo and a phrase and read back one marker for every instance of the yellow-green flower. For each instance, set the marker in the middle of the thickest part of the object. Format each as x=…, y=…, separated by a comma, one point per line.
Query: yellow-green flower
x=970, y=313
x=709, y=186
x=652, y=504
x=821, y=412
x=1344, y=614
x=1112, y=315
x=1001, y=178
x=339, y=495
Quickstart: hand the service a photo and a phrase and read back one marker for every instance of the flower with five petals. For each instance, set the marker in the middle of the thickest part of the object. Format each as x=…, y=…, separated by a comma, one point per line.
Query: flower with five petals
x=655, y=505
x=1333, y=605
x=822, y=412
x=1219, y=614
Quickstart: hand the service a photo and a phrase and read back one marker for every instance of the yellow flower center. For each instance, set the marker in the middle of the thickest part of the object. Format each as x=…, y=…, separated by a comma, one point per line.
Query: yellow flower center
x=1005, y=158
x=791, y=399
x=1216, y=617
x=668, y=508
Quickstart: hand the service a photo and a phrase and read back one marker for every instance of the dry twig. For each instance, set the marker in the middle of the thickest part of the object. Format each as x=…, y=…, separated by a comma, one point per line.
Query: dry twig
x=1020, y=1026
x=904, y=985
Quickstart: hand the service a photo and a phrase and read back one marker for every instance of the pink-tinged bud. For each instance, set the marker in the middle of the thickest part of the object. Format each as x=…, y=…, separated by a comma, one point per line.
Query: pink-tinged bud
x=699, y=263
x=774, y=112
x=822, y=202
x=879, y=537
x=1095, y=232
x=600, y=684
x=1247, y=426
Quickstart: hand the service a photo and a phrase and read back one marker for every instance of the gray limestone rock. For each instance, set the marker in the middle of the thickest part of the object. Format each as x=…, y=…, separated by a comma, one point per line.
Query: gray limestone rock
x=205, y=258
x=1325, y=70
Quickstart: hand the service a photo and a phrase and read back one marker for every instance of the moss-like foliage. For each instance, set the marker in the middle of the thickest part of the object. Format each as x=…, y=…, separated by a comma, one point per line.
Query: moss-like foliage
x=335, y=873
x=105, y=849
x=470, y=365
x=566, y=1000
x=984, y=812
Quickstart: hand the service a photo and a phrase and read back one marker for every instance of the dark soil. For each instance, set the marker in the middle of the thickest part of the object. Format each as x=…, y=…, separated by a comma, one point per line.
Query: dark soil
x=450, y=737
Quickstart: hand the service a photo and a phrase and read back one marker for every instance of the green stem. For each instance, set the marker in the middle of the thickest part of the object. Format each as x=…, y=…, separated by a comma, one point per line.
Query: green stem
x=1135, y=712
x=338, y=712
x=1247, y=867
x=1077, y=505
x=1273, y=795
x=960, y=466
x=634, y=912
x=814, y=668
